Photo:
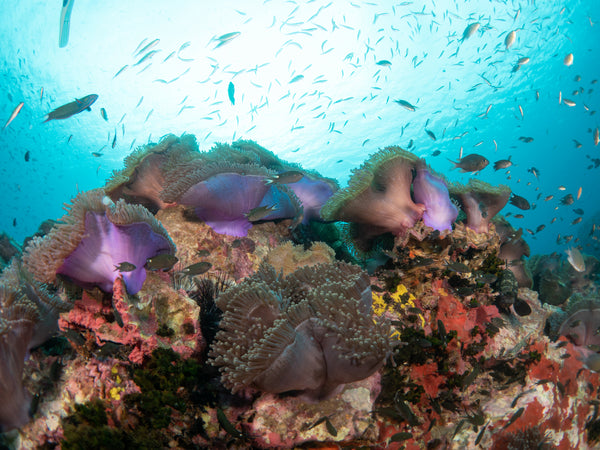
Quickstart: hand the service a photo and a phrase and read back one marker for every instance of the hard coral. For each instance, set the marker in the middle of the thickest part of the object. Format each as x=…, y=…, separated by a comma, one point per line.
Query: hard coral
x=310, y=331
x=431, y=191
x=18, y=317
x=378, y=194
x=93, y=239
x=480, y=201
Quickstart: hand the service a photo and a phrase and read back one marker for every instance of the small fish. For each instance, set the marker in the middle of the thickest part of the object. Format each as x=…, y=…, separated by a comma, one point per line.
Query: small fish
x=296, y=78
x=459, y=267
x=231, y=93
x=148, y=47
x=567, y=200
x=436, y=153
x=197, y=269
x=430, y=134
x=521, y=62
x=518, y=216
x=535, y=172
x=14, y=114
x=503, y=163
x=405, y=104
x=575, y=258
x=471, y=163
x=562, y=188
x=578, y=211
x=290, y=176
x=470, y=30
x=114, y=142
x=384, y=63
x=125, y=267
x=103, y=114
x=72, y=108
x=577, y=143
x=519, y=202
x=576, y=221
x=568, y=102
x=526, y=139
x=227, y=37
x=120, y=71
x=27, y=156
x=540, y=228
x=97, y=154
x=510, y=39
x=579, y=191
x=258, y=213
x=164, y=261
x=596, y=136
x=548, y=198
x=568, y=60
x=146, y=57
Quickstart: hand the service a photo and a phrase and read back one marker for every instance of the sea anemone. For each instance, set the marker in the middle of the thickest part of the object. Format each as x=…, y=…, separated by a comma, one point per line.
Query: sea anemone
x=247, y=152
x=313, y=191
x=310, y=331
x=96, y=237
x=142, y=179
x=480, y=201
x=431, y=191
x=49, y=304
x=223, y=193
x=582, y=323
x=378, y=194
x=18, y=317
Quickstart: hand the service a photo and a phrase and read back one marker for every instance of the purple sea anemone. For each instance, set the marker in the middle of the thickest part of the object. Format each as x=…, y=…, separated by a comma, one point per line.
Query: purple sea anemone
x=311, y=331
x=378, y=195
x=223, y=194
x=313, y=192
x=480, y=201
x=431, y=191
x=18, y=317
x=95, y=238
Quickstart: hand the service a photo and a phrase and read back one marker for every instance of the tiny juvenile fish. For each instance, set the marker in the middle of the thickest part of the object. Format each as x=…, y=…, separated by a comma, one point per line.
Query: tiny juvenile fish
x=568, y=61
x=596, y=136
x=258, y=213
x=72, y=108
x=125, y=267
x=227, y=37
x=471, y=163
x=296, y=79
x=526, y=139
x=103, y=114
x=164, y=261
x=430, y=134
x=510, y=39
x=231, y=93
x=197, y=269
x=14, y=114
x=405, y=104
x=568, y=102
x=290, y=176
x=384, y=63
x=27, y=155
x=470, y=30
x=535, y=172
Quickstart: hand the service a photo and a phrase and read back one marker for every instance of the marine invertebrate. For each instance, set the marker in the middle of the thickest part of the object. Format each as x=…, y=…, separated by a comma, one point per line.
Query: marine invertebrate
x=95, y=237
x=480, y=201
x=313, y=192
x=582, y=322
x=310, y=331
x=223, y=193
x=18, y=317
x=143, y=177
x=378, y=194
x=431, y=191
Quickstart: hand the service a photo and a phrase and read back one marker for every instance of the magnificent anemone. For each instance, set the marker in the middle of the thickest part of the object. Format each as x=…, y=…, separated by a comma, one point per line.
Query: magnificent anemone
x=480, y=201
x=313, y=191
x=311, y=331
x=48, y=303
x=431, y=191
x=223, y=193
x=93, y=239
x=378, y=195
x=142, y=179
x=18, y=317
x=247, y=152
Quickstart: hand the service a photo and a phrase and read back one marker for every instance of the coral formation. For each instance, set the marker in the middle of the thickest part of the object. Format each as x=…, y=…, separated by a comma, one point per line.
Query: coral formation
x=94, y=239
x=310, y=331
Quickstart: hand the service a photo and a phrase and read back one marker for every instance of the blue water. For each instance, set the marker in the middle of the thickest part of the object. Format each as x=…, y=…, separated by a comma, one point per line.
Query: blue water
x=339, y=112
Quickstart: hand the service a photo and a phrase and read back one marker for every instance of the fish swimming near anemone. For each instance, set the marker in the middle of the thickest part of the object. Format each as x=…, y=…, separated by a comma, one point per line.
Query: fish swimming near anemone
x=576, y=259
x=503, y=164
x=72, y=108
x=470, y=163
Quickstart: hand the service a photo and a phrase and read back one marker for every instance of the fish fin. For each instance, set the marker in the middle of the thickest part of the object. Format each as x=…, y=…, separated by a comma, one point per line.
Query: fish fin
x=88, y=108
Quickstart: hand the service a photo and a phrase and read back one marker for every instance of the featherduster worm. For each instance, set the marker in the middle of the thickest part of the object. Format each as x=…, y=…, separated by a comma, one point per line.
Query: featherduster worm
x=18, y=318
x=93, y=239
x=311, y=331
x=431, y=191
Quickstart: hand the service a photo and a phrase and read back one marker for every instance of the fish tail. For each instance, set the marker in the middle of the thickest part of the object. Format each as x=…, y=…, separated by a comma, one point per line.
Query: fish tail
x=453, y=162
